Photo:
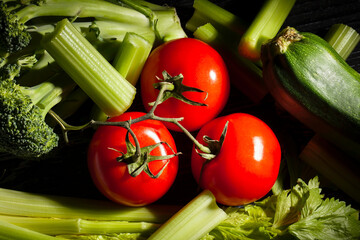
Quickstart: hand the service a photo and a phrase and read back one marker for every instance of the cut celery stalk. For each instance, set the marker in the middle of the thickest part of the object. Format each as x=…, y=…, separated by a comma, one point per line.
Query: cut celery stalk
x=266, y=25
x=89, y=69
x=193, y=221
x=208, y=12
x=19, y=203
x=10, y=231
x=343, y=39
x=131, y=56
x=61, y=226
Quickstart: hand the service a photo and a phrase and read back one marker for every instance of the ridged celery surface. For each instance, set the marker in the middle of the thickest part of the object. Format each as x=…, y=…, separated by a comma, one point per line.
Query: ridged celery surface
x=131, y=56
x=10, y=231
x=193, y=221
x=89, y=69
x=71, y=226
x=18, y=203
x=207, y=12
x=343, y=39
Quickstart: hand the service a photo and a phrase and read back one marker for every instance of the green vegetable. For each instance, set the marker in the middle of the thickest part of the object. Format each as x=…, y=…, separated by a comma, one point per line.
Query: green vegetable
x=18, y=203
x=298, y=213
x=69, y=226
x=312, y=82
x=16, y=18
x=328, y=160
x=10, y=231
x=265, y=26
x=23, y=130
x=89, y=69
x=131, y=56
x=71, y=217
x=343, y=39
x=193, y=221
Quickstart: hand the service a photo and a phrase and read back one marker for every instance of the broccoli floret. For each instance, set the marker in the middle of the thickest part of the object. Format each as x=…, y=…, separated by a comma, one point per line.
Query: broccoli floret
x=23, y=130
x=13, y=33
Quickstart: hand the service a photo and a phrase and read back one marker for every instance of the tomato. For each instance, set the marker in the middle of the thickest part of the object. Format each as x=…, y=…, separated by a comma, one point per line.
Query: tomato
x=246, y=167
x=112, y=177
x=202, y=67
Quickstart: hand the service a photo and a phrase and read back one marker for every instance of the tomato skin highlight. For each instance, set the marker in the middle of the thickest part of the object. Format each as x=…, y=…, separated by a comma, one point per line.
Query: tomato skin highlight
x=248, y=163
x=202, y=68
x=112, y=177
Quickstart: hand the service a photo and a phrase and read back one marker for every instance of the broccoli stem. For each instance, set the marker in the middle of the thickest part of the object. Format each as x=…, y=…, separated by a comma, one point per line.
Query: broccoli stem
x=89, y=69
x=49, y=93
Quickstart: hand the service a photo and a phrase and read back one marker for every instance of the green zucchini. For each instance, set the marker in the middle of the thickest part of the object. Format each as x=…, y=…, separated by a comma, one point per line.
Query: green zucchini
x=310, y=80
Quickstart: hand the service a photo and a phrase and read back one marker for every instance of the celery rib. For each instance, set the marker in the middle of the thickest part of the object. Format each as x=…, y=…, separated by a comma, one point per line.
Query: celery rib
x=19, y=203
x=82, y=9
x=193, y=221
x=131, y=56
x=73, y=226
x=10, y=232
x=343, y=39
x=89, y=69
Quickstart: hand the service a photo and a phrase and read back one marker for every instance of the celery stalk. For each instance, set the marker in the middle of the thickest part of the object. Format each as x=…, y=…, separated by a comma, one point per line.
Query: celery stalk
x=265, y=26
x=61, y=226
x=193, y=221
x=131, y=56
x=334, y=165
x=89, y=69
x=343, y=39
x=208, y=12
x=19, y=203
x=10, y=231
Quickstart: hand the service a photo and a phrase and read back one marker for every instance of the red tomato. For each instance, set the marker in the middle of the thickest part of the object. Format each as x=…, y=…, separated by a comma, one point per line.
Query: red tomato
x=248, y=163
x=112, y=178
x=202, y=68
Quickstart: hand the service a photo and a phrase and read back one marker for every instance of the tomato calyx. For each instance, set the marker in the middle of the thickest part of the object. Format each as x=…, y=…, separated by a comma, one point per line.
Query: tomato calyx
x=213, y=145
x=139, y=162
x=177, y=90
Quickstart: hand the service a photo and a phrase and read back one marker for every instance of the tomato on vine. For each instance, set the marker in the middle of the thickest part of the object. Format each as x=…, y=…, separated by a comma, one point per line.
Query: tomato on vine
x=119, y=175
x=245, y=161
x=200, y=78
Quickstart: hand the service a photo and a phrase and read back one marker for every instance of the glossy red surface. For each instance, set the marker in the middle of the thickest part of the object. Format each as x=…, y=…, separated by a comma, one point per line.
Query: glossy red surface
x=247, y=165
x=112, y=178
x=202, y=68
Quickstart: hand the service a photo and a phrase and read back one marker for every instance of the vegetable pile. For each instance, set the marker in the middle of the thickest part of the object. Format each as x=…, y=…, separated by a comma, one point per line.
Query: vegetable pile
x=127, y=119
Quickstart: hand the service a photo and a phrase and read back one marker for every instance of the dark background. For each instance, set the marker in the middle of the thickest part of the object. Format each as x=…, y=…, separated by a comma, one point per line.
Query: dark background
x=65, y=173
